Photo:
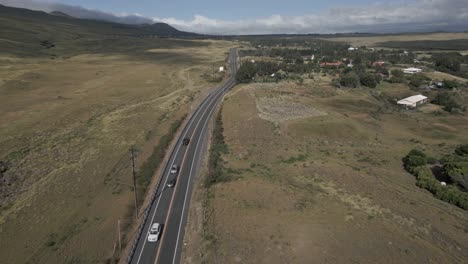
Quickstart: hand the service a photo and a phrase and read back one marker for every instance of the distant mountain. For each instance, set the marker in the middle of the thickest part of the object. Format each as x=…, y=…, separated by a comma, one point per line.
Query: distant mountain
x=58, y=13
x=26, y=32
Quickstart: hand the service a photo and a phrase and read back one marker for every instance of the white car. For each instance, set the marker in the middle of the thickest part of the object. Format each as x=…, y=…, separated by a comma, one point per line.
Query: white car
x=174, y=169
x=153, y=234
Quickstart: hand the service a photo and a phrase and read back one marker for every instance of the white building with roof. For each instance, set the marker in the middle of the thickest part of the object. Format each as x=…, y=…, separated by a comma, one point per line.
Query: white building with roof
x=412, y=70
x=413, y=101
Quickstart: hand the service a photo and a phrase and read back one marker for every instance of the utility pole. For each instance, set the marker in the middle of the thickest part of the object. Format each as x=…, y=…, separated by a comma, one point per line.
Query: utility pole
x=120, y=238
x=132, y=151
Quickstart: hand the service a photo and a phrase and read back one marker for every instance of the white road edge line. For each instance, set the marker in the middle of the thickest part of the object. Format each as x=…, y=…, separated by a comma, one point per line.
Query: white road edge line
x=189, y=183
x=167, y=175
x=173, y=158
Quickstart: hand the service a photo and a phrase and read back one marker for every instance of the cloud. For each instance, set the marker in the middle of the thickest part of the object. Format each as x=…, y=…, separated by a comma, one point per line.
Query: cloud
x=401, y=16
x=78, y=11
x=422, y=15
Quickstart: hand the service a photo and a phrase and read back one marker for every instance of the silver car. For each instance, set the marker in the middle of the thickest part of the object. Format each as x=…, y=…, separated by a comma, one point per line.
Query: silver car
x=153, y=234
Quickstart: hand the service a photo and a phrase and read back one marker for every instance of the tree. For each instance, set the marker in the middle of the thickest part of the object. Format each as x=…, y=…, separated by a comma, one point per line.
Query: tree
x=246, y=72
x=398, y=73
x=457, y=172
x=447, y=61
x=446, y=100
x=450, y=84
x=414, y=159
x=417, y=80
x=368, y=79
x=349, y=80
x=462, y=150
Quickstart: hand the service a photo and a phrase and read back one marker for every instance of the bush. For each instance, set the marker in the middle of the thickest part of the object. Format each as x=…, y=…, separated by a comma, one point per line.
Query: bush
x=368, y=79
x=447, y=61
x=457, y=172
x=246, y=72
x=415, y=162
x=462, y=150
x=398, y=73
x=349, y=80
x=148, y=168
x=216, y=170
x=417, y=80
x=415, y=158
x=446, y=100
x=450, y=84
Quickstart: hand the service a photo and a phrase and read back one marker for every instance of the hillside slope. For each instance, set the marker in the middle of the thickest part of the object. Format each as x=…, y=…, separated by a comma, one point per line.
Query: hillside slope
x=34, y=33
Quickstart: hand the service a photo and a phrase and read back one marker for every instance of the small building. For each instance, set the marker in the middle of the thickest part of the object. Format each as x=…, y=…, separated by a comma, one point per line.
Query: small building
x=352, y=49
x=336, y=64
x=413, y=101
x=252, y=61
x=221, y=69
x=378, y=63
x=412, y=70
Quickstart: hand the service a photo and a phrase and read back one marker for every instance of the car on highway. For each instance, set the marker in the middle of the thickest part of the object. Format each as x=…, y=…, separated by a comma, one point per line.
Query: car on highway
x=172, y=182
x=153, y=233
x=186, y=141
x=174, y=169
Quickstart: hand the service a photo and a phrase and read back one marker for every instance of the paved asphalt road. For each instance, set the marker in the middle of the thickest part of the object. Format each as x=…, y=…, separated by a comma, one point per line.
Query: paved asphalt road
x=170, y=205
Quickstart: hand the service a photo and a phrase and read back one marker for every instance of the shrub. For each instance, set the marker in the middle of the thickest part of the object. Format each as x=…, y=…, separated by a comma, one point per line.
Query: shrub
x=450, y=84
x=397, y=73
x=415, y=158
x=349, y=80
x=462, y=150
x=368, y=79
x=417, y=80
x=457, y=172
x=446, y=100
x=246, y=72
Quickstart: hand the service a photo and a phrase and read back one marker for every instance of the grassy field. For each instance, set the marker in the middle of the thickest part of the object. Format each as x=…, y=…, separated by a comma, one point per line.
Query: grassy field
x=374, y=41
x=66, y=127
x=320, y=180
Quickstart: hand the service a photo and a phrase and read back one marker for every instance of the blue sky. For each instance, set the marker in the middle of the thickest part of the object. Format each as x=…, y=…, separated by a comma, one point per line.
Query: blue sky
x=270, y=16
x=219, y=9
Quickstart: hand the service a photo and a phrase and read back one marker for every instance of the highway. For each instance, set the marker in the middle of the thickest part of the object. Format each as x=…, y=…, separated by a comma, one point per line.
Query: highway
x=169, y=206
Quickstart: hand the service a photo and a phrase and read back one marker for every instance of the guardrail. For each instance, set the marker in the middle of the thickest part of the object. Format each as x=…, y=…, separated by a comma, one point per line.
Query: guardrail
x=153, y=196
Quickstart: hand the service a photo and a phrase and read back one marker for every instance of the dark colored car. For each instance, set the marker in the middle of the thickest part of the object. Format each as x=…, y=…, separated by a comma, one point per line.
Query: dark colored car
x=186, y=141
x=171, y=183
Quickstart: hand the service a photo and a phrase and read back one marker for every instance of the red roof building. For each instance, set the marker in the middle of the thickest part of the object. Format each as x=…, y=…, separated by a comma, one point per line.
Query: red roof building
x=336, y=64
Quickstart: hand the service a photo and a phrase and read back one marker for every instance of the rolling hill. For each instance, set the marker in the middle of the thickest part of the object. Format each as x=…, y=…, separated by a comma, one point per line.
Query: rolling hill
x=34, y=33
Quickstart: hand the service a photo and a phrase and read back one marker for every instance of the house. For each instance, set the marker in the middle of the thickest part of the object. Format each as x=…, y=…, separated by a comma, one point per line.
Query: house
x=378, y=63
x=412, y=70
x=413, y=101
x=336, y=64
x=383, y=76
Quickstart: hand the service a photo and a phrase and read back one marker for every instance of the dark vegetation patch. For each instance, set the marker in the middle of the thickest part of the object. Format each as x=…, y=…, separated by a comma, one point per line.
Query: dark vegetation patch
x=216, y=170
x=454, y=44
x=454, y=169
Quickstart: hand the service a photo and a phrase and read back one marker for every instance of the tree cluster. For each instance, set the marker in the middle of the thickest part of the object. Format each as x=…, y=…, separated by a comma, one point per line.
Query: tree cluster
x=455, y=168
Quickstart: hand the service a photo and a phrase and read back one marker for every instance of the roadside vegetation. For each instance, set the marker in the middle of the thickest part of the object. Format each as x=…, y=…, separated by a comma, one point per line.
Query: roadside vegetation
x=79, y=94
x=453, y=169
x=318, y=151
x=150, y=165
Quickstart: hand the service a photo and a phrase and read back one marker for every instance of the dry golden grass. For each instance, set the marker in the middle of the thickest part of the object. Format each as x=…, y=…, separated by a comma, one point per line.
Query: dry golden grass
x=331, y=189
x=65, y=129
x=372, y=41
